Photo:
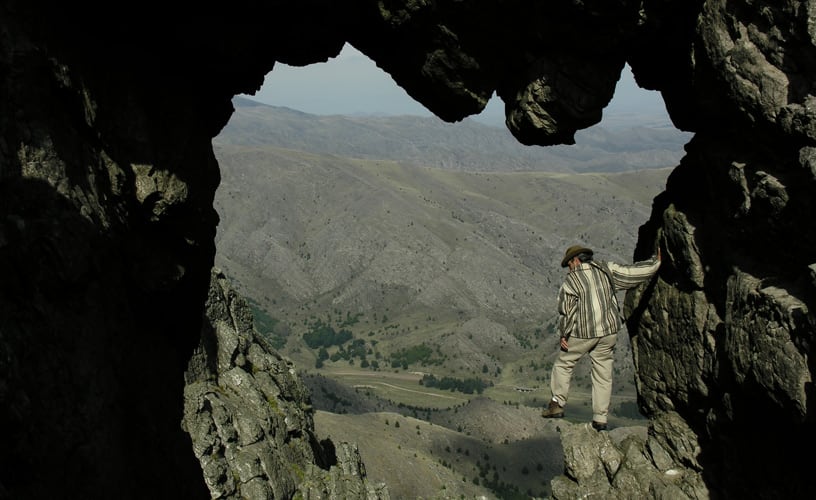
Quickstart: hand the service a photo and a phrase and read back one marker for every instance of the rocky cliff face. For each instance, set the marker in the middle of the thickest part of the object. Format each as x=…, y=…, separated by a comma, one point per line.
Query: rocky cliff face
x=107, y=180
x=250, y=420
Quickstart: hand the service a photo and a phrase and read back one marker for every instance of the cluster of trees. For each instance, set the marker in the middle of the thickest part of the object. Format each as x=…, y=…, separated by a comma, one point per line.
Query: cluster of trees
x=322, y=334
x=489, y=478
x=350, y=319
x=422, y=354
x=467, y=386
x=355, y=349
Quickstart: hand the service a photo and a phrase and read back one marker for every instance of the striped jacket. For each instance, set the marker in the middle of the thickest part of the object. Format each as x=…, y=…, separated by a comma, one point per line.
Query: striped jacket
x=587, y=304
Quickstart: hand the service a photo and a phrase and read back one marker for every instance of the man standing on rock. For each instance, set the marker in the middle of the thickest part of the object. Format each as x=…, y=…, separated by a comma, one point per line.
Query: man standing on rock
x=588, y=321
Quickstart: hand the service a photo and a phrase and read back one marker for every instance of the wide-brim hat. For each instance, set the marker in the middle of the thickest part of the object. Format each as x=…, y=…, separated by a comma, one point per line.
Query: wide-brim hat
x=572, y=252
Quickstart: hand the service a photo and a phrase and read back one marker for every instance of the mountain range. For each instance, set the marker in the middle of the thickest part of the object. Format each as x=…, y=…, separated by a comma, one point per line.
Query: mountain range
x=467, y=146
x=437, y=246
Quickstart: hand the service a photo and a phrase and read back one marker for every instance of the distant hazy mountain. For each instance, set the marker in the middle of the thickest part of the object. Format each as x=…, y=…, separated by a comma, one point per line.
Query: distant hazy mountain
x=467, y=145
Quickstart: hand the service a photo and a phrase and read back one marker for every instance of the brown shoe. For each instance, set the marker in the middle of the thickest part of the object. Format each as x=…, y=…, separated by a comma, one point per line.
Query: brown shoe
x=553, y=411
x=599, y=426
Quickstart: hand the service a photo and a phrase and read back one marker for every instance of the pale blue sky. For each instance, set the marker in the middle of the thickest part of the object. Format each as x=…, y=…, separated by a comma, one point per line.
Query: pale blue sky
x=352, y=84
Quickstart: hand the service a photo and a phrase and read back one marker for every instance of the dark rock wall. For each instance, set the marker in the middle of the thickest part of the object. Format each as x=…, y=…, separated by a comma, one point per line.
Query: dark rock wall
x=107, y=178
x=106, y=242
x=726, y=339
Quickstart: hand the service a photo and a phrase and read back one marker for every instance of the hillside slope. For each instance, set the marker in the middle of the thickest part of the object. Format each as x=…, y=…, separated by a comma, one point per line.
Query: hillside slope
x=459, y=266
x=377, y=235
x=418, y=459
x=465, y=263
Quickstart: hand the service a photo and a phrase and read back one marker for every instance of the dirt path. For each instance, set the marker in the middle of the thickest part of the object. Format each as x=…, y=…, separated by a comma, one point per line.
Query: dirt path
x=424, y=393
x=414, y=376
x=408, y=377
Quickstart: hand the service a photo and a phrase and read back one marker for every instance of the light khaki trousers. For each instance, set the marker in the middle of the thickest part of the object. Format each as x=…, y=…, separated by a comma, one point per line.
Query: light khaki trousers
x=601, y=351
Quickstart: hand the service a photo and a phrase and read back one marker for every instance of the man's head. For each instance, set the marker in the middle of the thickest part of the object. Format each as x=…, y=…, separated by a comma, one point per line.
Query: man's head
x=575, y=251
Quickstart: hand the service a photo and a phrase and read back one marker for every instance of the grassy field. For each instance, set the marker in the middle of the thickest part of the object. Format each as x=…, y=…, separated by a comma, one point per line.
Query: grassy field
x=400, y=387
x=403, y=388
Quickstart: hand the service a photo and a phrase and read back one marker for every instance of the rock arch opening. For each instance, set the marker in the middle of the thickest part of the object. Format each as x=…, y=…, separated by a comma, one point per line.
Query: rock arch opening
x=361, y=209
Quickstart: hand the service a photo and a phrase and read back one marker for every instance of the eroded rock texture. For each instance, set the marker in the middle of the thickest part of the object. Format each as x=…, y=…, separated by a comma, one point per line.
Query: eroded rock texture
x=250, y=420
x=106, y=222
